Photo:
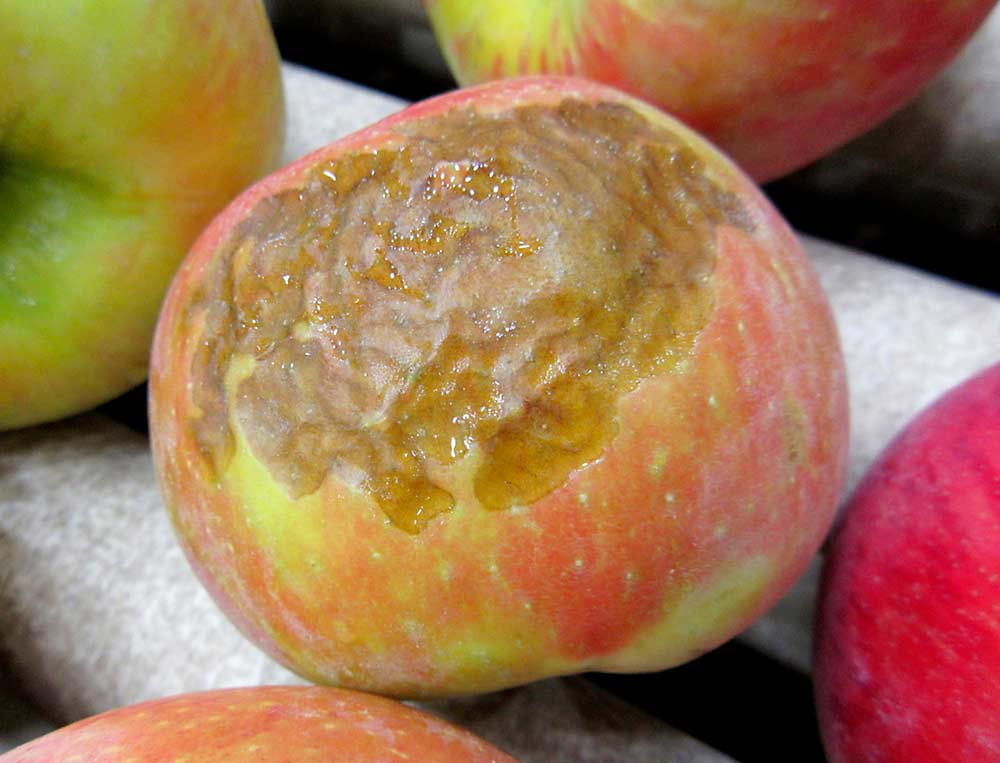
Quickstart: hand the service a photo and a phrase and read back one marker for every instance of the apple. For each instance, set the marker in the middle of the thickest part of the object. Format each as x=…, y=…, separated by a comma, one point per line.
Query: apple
x=776, y=85
x=278, y=724
x=124, y=128
x=524, y=380
x=908, y=632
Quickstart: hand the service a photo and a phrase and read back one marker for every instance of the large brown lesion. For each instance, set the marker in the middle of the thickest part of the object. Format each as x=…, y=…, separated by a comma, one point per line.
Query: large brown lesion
x=488, y=290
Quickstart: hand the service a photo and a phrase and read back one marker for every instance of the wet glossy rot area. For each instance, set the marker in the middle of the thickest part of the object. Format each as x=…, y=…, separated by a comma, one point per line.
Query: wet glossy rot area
x=453, y=317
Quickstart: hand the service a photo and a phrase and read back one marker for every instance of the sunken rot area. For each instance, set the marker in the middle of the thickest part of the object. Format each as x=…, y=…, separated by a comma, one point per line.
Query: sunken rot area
x=522, y=381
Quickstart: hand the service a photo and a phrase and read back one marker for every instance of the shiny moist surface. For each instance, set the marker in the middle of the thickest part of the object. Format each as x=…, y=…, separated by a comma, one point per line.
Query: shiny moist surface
x=454, y=317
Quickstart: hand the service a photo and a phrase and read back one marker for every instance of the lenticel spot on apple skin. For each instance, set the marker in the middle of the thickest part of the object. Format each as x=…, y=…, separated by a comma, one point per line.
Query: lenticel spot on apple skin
x=458, y=313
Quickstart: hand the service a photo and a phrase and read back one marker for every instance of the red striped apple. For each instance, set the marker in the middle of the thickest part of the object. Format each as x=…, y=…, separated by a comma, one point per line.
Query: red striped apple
x=124, y=127
x=277, y=724
x=775, y=84
x=908, y=638
x=522, y=381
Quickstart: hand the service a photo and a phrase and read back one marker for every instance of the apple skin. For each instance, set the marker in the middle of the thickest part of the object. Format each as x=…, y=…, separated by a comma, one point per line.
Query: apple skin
x=279, y=724
x=124, y=128
x=775, y=85
x=711, y=499
x=908, y=633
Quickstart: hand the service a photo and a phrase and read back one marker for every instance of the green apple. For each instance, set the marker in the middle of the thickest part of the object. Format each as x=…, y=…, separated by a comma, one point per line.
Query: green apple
x=124, y=127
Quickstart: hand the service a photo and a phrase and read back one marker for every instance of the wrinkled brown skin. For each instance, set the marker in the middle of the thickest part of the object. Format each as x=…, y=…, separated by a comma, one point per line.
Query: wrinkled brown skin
x=715, y=488
x=277, y=724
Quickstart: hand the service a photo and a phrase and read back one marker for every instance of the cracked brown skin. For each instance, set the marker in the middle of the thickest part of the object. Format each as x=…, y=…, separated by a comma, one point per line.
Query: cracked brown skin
x=482, y=293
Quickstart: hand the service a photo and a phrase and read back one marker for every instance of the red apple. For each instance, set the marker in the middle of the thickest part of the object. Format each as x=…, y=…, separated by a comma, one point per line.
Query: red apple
x=124, y=128
x=277, y=724
x=908, y=639
x=774, y=84
x=523, y=381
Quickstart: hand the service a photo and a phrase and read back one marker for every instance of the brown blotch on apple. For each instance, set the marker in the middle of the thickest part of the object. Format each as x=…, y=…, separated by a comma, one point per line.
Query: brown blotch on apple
x=409, y=306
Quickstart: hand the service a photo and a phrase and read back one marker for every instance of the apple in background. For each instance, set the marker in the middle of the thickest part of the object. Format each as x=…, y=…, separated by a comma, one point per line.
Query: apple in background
x=124, y=127
x=277, y=724
x=908, y=637
x=522, y=381
x=776, y=85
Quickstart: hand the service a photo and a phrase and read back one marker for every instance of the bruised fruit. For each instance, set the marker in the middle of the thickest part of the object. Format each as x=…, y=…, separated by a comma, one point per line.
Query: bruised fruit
x=278, y=724
x=775, y=84
x=908, y=637
x=522, y=381
x=390, y=279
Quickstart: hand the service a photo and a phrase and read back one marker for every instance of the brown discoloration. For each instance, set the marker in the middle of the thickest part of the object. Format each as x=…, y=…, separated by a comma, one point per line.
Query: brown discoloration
x=486, y=291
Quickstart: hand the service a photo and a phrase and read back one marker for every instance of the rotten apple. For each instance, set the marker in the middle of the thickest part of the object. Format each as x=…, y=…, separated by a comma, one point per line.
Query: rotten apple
x=908, y=635
x=775, y=84
x=278, y=724
x=524, y=380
